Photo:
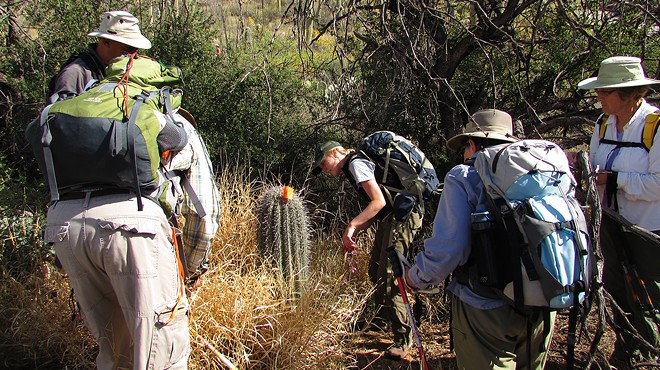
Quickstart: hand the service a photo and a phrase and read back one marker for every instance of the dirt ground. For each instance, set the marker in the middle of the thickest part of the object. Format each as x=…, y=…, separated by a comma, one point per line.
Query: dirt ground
x=371, y=345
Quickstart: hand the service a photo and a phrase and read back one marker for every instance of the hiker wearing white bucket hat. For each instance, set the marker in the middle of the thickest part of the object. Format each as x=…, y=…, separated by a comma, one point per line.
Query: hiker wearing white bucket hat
x=122, y=27
x=118, y=34
x=617, y=72
x=622, y=147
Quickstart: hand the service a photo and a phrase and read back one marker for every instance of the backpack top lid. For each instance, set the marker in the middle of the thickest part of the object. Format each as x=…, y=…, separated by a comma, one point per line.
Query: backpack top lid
x=127, y=77
x=524, y=169
x=144, y=72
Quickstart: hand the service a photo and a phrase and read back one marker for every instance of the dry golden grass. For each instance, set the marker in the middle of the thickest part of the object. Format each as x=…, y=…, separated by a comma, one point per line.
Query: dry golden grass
x=243, y=308
x=37, y=329
x=242, y=313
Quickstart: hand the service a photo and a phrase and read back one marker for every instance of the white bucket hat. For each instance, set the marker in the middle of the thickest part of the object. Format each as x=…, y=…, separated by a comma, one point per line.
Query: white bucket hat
x=618, y=72
x=488, y=123
x=122, y=27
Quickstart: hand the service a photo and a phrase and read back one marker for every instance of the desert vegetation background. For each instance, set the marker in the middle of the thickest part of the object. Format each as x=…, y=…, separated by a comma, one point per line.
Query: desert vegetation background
x=267, y=81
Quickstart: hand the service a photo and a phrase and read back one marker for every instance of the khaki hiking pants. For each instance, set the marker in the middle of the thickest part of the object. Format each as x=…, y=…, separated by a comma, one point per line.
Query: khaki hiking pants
x=387, y=295
x=123, y=270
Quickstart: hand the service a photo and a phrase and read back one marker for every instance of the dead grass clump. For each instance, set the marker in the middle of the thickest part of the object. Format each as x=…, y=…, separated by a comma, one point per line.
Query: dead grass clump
x=243, y=309
x=242, y=314
x=37, y=326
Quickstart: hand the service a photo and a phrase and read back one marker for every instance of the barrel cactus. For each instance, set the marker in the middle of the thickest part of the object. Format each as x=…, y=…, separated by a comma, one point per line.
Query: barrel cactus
x=283, y=234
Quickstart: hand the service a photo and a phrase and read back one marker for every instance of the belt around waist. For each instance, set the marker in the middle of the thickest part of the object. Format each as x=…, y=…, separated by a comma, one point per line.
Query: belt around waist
x=95, y=193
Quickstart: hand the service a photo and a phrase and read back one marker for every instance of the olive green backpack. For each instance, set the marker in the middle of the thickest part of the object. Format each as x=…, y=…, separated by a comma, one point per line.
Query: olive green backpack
x=114, y=135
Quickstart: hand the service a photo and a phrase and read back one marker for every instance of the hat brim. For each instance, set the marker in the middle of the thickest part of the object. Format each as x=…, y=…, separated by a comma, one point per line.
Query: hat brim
x=138, y=43
x=593, y=83
x=455, y=142
x=317, y=165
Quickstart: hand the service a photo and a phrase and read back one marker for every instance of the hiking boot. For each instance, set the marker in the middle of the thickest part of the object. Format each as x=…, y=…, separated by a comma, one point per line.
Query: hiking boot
x=398, y=351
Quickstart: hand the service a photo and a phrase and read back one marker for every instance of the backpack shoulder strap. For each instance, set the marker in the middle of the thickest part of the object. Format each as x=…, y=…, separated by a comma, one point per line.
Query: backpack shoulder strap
x=46, y=139
x=650, y=129
x=602, y=127
x=347, y=173
x=386, y=162
x=651, y=124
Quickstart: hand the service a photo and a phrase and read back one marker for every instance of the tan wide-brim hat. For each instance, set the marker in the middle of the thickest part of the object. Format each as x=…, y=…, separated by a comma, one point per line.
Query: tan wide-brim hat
x=618, y=72
x=488, y=123
x=122, y=27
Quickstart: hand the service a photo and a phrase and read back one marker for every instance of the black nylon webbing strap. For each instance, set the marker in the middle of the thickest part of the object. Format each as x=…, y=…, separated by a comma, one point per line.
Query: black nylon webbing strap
x=622, y=144
x=132, y=126
x=529, y=338
x=546, y=328
x=516, y=243
x=571, y=339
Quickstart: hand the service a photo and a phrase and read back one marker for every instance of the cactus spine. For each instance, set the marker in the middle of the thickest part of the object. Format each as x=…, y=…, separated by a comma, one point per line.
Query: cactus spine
x=283, y=234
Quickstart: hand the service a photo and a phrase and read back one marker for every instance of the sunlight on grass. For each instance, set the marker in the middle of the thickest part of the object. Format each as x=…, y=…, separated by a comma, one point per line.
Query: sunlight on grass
x=243, y=308
x=242, y=313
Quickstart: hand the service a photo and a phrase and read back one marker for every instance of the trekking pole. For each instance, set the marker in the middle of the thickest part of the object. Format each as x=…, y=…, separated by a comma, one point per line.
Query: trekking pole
x=179, y=244
x=397, y=270
x=637, y=286
x=413, y=325
x=641, y=294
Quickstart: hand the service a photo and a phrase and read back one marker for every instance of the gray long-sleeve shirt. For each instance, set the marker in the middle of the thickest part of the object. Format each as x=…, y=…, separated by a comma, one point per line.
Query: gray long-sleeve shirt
x=75, y=77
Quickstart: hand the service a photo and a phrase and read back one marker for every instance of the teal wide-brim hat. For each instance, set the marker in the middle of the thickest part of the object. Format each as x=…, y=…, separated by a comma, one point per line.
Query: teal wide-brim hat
x=618, y=72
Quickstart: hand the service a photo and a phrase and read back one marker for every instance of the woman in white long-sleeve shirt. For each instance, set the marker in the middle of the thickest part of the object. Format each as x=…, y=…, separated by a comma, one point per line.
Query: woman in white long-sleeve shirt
x=629, y=183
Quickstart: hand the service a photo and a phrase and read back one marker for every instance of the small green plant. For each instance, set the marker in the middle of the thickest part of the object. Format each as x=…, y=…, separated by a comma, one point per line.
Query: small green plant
x=22, y=250
x=283, y=234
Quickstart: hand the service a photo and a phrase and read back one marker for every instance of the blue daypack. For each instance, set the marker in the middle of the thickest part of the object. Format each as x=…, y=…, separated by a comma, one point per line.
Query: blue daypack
x=531, y=245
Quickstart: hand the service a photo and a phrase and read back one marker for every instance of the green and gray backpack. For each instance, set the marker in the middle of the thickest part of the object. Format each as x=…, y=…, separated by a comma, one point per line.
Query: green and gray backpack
x=114, y=135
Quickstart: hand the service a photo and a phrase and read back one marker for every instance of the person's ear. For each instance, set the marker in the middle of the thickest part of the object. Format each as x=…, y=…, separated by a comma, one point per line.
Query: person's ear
x=473, y=145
